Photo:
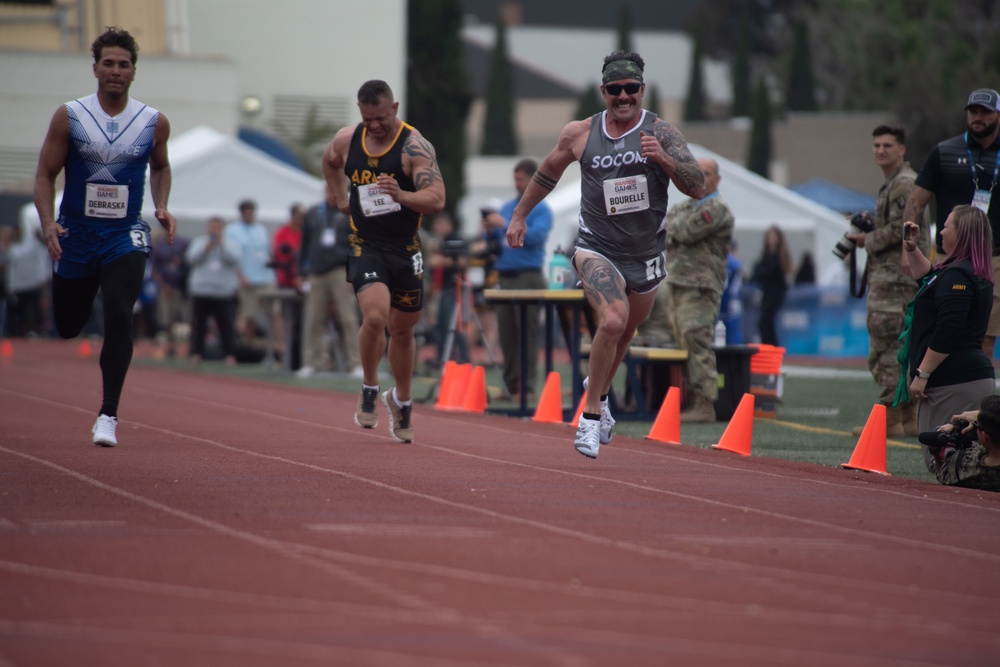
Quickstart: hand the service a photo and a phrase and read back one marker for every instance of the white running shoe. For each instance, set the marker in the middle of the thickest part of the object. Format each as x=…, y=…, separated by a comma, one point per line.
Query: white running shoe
x=607, y=421
x=305, y=372
x=588, y=437
x=104, y=431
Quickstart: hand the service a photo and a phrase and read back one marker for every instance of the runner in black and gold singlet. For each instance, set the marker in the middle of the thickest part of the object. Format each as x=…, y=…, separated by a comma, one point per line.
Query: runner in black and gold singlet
x=385, y=175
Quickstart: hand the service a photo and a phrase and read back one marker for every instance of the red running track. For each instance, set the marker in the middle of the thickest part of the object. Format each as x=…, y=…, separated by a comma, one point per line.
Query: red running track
x=243, y=523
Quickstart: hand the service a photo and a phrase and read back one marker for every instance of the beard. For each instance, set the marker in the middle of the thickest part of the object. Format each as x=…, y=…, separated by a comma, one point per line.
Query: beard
x=985, y=132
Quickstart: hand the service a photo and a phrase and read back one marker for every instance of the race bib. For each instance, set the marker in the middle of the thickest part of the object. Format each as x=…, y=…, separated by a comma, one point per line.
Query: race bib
x=328, y=238
x=375, y=202
x=106, y=201
x=981, y=200
x=626, y=195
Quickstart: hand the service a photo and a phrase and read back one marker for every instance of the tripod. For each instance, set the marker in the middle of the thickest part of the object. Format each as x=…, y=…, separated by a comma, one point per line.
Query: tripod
x=461, y=314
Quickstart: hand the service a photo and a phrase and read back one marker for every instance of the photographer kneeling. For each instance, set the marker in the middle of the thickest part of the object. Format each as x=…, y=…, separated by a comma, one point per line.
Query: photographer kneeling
x=966, y=452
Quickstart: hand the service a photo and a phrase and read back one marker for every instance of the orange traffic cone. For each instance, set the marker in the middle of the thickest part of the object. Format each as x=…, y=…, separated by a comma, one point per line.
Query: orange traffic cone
x=6, y=348
x=475, y=398
x=447, y=377
x=579, y=410
x=667, y=426
x=738, y=436
x=869, y=454
x=84, y=350
x=549, y=408
x=459, y=387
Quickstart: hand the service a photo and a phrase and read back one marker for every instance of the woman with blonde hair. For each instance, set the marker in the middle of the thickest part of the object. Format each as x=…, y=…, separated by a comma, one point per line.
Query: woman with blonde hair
x=942, y=342
x=771, y=273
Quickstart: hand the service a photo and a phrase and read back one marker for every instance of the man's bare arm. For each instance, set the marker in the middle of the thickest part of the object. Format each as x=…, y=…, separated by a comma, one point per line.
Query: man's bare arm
x=568, y=149
x=51, y=161
x=420, y=163
x=334, y=158
x=161, y=178
x=916, y=203
x=676, y=159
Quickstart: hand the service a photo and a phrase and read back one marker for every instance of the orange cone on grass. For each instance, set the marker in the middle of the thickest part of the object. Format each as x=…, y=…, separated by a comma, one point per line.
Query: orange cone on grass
x=738, y=436
x=475, y=398
x=869, y=454
x=447, y=377
x=459, y=387
x=549, y=408
x=667, y=426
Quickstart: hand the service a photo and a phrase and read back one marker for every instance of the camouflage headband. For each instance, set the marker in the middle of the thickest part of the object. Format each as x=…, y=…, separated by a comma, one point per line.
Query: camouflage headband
x=621, y=69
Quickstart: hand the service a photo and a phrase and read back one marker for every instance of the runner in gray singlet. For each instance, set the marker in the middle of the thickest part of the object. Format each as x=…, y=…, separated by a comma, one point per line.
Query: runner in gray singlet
x=628, y=158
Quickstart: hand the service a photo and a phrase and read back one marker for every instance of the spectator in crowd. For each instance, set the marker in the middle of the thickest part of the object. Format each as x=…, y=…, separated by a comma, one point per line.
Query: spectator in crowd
x=964, y=170
x=806, y=273
x=29, y=270
x=731, y=304
x=521, y=267
x=8, y=234
x=976, y=465
x=323, y=260
x=946, y=368
x=323, y=278
x=169, y=272
x=890, y=287
x=699, y=232
x=212, y=286
x=447, y=261
x=285, y=253
x=771, y=273
x=255, y=274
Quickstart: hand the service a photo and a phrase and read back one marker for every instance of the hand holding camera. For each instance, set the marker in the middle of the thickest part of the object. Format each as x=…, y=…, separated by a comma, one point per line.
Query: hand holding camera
x=861, y=224
x=950, y=435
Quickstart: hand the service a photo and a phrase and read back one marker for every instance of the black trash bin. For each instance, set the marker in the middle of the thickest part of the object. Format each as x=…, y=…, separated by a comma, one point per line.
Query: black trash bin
x=733, y=365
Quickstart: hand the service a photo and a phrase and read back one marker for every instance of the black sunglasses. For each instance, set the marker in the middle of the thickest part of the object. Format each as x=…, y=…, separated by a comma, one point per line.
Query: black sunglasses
x=615, y=89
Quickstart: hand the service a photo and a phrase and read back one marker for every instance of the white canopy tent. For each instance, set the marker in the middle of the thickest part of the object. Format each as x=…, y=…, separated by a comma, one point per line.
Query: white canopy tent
x=212, y=173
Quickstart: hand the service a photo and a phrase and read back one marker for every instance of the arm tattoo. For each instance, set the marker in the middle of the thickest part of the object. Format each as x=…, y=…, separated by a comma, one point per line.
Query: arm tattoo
x=602, y=279
x=544, y=181
x=420, y=149
x=686, y=172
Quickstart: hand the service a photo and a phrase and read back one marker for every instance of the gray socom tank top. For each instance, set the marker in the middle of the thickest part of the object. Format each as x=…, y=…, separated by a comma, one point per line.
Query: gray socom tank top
x=624, y=198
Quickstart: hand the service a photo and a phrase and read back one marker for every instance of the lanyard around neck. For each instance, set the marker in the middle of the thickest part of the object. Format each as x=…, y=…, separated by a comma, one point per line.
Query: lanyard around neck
x=972, y=165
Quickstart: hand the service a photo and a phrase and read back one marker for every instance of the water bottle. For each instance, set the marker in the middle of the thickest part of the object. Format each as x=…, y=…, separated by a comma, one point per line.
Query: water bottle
x=559, y=270
x=720, y=334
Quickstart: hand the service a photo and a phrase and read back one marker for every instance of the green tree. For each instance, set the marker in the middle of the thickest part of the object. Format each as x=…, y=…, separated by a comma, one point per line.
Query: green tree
x=308, y=146
x=694, y=103
x=652, y=98
x=499, y=135
x=741, y=74
x=759, y=156
x=438, y=89
x=625, y=28
x=801, y=95
x=589, y=102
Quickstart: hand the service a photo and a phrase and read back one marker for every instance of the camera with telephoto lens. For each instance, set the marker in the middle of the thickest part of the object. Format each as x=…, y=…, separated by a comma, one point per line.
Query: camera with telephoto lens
x=860, y=224
x=953, y=438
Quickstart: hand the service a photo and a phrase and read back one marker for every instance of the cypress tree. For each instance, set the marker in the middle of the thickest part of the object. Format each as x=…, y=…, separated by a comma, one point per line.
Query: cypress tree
x=741, y=74
x=759, y=159
x=438, y=89
x=694, y=104
x=625, y=28
x=801, y=88
x=589, y=102
x=499, y=135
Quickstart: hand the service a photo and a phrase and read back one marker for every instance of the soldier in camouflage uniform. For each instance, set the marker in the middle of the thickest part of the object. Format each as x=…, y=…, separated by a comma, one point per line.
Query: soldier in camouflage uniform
x=890, y=287
x=978, y=466
x=698, y=236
